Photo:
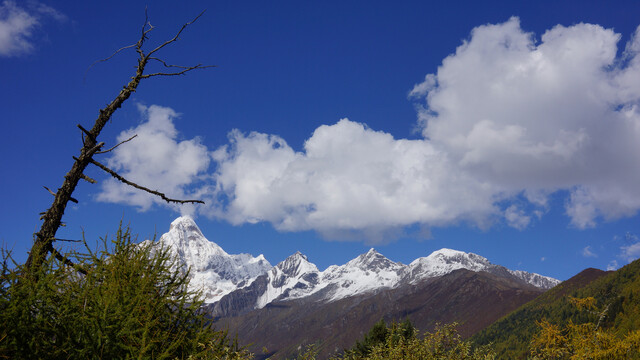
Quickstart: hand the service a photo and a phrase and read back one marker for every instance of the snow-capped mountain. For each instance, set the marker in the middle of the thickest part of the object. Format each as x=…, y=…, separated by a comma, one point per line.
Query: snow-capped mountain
x=366, y=273
x=293, y=278
x=537, y=280
x=213, y=271
x=444, y=261
x=246, y=282
x=296, y=277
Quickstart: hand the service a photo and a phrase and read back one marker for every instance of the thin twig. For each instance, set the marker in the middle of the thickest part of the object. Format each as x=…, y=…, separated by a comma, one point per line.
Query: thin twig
x=175, y=38
x=106, y=59
x=67, y=240
x=118, y=144
x=186, y=69
x=164, y=63
x=143, y=35
x=157, y=193
x=49, y=190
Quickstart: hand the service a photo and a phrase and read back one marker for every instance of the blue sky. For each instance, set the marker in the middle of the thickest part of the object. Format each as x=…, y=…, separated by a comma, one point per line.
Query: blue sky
x=508, y=129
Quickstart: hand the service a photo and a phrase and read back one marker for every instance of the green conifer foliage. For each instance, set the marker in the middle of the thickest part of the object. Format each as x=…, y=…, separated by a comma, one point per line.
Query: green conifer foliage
x=131, y=304
x=401, y=342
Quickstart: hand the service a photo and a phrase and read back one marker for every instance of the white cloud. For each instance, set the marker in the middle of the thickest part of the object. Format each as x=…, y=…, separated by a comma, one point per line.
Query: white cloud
x=349, y=177
x=516, y=217
x=506, y=120
x=586, y=252
x=631, y=251
x=17, y=26
x=503, y=116
x=155, y=159
x=612, y=266
x=559, y=114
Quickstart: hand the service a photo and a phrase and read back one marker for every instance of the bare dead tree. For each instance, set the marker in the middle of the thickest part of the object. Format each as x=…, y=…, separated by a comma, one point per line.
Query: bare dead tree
x=52, y=218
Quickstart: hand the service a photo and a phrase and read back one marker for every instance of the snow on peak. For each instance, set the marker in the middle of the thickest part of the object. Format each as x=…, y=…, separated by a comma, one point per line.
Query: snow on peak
x=537, y=280
x=213, y=271
x=293, y=278
x=372, y=261
x=186, y=238
x=296, y=264
x=368, y=272
x=185, y=221
x=444, y=261
x=459, y=259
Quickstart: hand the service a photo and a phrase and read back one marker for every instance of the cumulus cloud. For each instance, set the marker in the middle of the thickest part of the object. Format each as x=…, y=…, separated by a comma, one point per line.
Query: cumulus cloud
x=507, y=120
x=561, y=113
x=155, y=159
x=17, y=25
x=348, y=177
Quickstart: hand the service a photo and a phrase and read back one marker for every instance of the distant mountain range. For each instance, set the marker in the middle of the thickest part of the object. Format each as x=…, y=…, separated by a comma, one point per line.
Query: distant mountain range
x=223, y=277
x=293, y=303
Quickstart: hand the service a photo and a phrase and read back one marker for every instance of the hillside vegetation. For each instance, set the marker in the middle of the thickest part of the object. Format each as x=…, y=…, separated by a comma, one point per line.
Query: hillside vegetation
x=126, y=302
x=615, y=297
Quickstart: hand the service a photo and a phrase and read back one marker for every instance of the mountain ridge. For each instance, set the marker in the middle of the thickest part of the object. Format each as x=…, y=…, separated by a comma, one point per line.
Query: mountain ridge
x=219, y=274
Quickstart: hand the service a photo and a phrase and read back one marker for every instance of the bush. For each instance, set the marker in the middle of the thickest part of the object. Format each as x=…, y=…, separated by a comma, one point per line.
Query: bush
x=586, y=340
x=129, y=304
x=401, y=342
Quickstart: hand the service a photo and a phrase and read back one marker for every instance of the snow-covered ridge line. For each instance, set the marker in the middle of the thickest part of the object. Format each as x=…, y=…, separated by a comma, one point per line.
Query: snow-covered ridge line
x=372, y=271
x=218, y=273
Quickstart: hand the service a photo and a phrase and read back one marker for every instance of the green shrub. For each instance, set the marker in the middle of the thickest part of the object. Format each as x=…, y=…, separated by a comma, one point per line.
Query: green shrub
x=129, y=304
x=401, y=342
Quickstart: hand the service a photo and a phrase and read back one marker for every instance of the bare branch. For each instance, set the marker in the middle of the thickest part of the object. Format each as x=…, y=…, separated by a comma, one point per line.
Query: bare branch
x=107, y=58
x=143, y=33
x=186, y=69
x=89, y=134
x=157, y=193
x=176, y=66
x=88, y=179
x=175, y=38
x=67, y=240
x=118, y=144
x=49, y=190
